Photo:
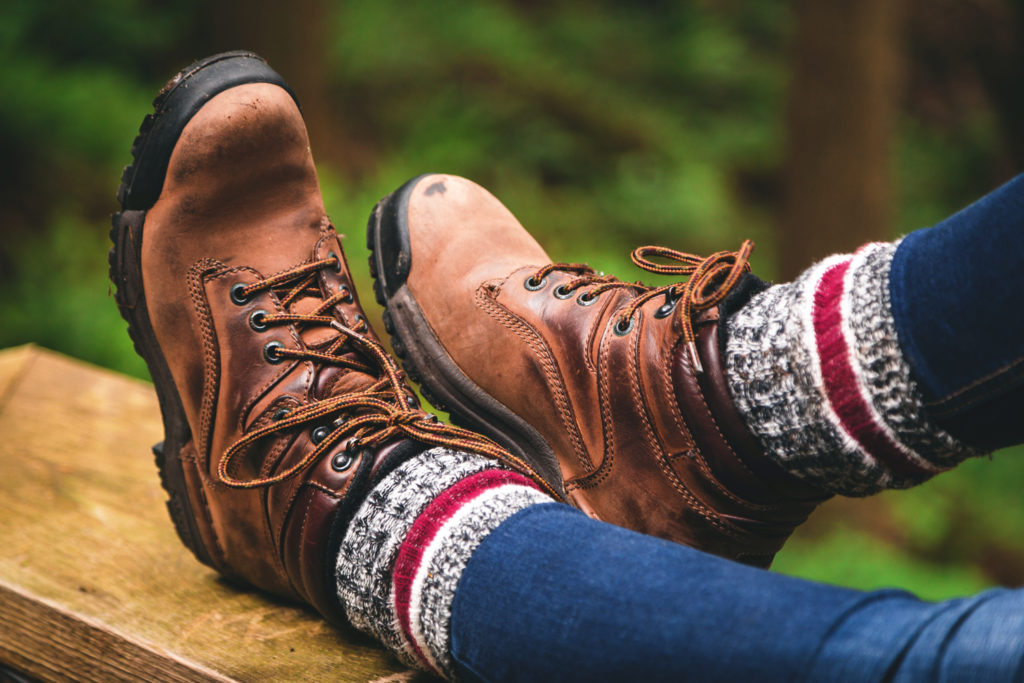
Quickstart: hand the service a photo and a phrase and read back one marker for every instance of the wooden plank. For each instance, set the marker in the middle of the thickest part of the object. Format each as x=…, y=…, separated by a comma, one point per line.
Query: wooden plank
x=13, y=362
x=95, y=584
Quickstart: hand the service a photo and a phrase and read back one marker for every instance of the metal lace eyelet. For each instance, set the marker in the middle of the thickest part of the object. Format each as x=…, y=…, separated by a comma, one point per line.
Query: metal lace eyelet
x=280, y=414
x=533, y=285
x=347, y=294
x=586, y=299
x=623, y=330
x=411, y=401
x=256, y=320
x=358, y=318
x=666, y=308
x=562, y=292
x=270, y=352
x=238, y=295
x=319, y=434
x=337, y=261
x=341, y=461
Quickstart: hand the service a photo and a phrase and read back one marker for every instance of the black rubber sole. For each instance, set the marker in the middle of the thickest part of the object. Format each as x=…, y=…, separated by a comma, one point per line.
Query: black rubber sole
x=425, y=359
x=141, y=184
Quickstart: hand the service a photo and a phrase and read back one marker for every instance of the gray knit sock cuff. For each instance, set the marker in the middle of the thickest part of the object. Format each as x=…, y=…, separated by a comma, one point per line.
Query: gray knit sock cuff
x=404, y=551
x=816, y=369
x=432, y=559
x=883, y=370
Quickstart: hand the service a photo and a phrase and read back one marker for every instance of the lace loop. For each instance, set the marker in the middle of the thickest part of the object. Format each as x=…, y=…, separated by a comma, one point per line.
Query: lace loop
x=369, y=417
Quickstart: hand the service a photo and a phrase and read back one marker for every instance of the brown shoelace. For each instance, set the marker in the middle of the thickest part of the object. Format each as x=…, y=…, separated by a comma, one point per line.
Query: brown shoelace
x=367, y=418
x=709, y=281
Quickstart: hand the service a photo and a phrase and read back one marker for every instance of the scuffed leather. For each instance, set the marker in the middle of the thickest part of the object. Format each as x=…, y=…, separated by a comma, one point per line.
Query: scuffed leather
x=642, y=440
x=241, y=202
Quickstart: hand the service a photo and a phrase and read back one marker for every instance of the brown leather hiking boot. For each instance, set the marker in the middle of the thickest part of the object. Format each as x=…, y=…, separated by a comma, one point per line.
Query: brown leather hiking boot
x=280, y=407
x=613, y=391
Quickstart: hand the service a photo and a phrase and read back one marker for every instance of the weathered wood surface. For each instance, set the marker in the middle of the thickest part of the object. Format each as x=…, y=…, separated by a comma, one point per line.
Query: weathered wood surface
x=94, y=584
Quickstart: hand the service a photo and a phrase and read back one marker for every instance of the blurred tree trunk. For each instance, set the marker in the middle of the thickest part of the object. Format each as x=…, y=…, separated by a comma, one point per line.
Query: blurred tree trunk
x=293, y=38
x=842, y=105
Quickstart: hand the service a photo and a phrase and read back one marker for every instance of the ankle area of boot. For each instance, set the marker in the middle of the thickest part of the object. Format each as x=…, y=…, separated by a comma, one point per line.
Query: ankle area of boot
x=734, y=455
x=312, y=534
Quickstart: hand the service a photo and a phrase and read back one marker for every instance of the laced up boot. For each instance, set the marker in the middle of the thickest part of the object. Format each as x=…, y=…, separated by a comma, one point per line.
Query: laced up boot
x=615, y=392
x=280, y=407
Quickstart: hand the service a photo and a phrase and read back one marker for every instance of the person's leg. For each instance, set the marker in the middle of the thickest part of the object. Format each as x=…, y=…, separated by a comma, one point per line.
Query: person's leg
x=400, y=561
x=817, y=371
x=309, y=451
x=721, y=445
x=956, y=296
x=281, y=409
x=554, y=595
x=469, y=571
x=614, y=392
x=882, y=368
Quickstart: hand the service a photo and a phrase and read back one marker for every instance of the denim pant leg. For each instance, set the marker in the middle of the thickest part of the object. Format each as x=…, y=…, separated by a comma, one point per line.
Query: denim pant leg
x=552, y=595
x=958, y=300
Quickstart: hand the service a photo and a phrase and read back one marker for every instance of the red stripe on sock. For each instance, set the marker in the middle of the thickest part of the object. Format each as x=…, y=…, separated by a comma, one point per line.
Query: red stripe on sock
x=840, y=379
x=424, y=530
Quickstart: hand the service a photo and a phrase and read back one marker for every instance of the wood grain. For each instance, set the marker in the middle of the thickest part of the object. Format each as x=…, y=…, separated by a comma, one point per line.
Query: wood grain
x=94, y=583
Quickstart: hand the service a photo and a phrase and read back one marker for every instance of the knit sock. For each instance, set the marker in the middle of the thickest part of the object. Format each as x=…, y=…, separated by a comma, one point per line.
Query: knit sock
x=407, y=545
x=815, y=367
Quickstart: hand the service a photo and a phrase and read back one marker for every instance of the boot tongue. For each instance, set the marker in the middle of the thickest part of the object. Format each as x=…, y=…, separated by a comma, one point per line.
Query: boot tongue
x=335, y=381
x=312, y=336
x=331, y=380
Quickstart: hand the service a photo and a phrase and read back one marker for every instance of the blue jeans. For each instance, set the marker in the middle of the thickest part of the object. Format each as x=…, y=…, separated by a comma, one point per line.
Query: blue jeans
x=554, y=595
x=957, y=299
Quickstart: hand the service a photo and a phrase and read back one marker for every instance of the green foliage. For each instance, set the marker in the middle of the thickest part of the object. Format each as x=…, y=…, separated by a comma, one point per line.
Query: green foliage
x=71, y=94
x=952, y=536
x=72, y=105
x=618, y=124
x=938, y=176
x=850, y=557
x=64, y=299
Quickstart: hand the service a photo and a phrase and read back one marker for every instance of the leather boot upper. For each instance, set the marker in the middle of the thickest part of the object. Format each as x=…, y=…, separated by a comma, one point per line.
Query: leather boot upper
x=241, y=203
x=643, y=438
x=281, y=409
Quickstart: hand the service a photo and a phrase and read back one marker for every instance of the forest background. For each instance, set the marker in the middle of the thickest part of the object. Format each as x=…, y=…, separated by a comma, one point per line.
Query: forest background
x=809, y=126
